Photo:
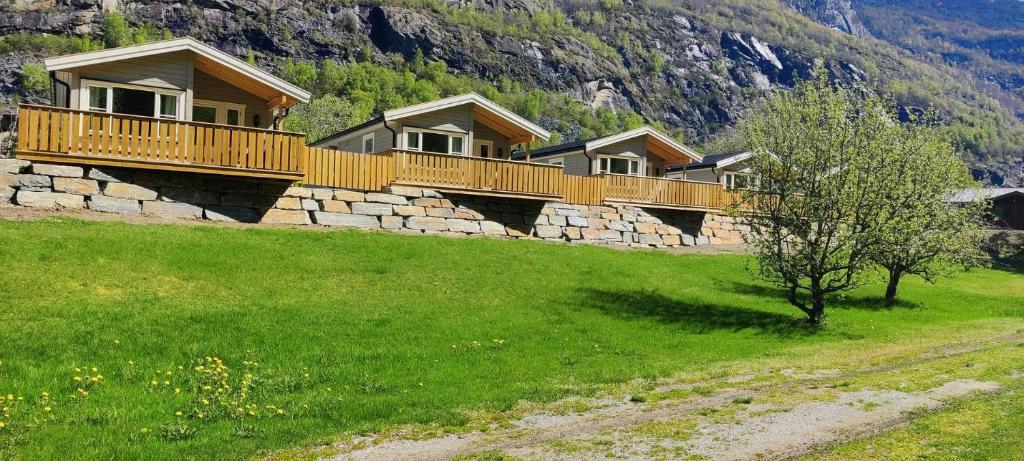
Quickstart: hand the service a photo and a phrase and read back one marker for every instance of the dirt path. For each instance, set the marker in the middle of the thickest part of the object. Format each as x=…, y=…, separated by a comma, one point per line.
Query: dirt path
x=773, y=415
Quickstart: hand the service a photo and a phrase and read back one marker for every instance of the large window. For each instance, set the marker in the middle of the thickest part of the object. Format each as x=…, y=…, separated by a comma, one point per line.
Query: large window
x=224, y=113
x=616, y=165
x=367, y=143
x=433, y=141
x=740, y=181
x=119, y=98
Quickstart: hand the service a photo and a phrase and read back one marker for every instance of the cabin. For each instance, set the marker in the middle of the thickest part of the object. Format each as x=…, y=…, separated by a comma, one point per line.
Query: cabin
x=732, y=171
x=1007, y=205
x=640, y=152
x=176, y=105
x=465, y=125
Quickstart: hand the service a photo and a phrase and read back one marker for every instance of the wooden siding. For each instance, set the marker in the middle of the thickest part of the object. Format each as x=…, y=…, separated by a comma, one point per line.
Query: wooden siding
x=584, y=190
x=665, y=192
x=73, y=136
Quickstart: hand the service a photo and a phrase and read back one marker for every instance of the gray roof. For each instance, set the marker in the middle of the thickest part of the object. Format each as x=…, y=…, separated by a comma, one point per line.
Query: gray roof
x=988, y=193
x=710, y=161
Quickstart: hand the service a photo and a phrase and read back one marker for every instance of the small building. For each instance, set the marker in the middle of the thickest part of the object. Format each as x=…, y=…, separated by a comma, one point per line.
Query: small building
x=467, y=125
x=640, y=152
x=1007, y=205
x=180, y=79
x=732, y=171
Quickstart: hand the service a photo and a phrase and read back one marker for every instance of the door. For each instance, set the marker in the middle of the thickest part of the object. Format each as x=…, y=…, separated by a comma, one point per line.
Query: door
x=482, y=148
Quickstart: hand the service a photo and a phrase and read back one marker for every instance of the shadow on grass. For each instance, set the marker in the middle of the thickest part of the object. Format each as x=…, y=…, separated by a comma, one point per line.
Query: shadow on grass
x=868, y=303
x=694, y=317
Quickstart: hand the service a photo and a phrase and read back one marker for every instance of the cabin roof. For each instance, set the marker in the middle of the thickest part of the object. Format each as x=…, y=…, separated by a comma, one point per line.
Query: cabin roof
x=208, y=59
x=657, y=143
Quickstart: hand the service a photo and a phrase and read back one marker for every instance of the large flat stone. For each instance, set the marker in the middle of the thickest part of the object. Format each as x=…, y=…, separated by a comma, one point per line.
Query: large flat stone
x=336, y=206
x=548, y=231
x=76, y=186
x=619, y=225
x=391, y=222
x=7, y=179
x=299, y=192
x=245, y=199
x=462, y=225
x=114, y=205
x=373, y=209
x=13, y=165
x=6, y=194
x=288, y=203
x=189, y=195
x=578, y=221
x=347, y=220
x=426, y=223
x=409, y=210
x=172, y=210
x=309, y=204
x=405, y=191
x=224, y=213
x=377, y=197
x=64, y=171
x=321, y=193
x=295, y=217
x=49, y=200
x=441, y=212
x=125, y=190
x=646, y=228
x=349, y=196
x=32, y=180
x=110, y=175
x=492, y=228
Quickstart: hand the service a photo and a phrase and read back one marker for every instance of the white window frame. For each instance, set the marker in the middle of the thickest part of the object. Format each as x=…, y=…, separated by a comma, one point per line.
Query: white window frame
x=485, y=142
x=633, y=162
x=373, y=143
x=221, y=108
x=560, y=161
x=729, y=180
x=84, y=89
x=419, y=136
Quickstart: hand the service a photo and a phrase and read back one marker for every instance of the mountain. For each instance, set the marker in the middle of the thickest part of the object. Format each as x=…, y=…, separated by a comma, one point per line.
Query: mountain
x=578, y=67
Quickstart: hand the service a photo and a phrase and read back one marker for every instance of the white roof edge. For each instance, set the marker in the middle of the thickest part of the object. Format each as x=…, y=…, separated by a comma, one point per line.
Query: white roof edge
x=170, y=46
x=468, y=98
x=644, y=130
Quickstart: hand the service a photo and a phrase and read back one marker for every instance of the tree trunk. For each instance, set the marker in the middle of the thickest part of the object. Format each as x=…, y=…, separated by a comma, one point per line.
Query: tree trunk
x=894, y=282
x=817, y=312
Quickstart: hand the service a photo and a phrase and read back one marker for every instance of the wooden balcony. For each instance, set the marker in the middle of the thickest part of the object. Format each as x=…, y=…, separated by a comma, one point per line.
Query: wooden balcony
x=473, y=175
x=666, y=193
x=53, y=134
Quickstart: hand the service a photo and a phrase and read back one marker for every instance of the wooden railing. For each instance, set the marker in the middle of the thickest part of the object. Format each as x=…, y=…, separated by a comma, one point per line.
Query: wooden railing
x=666, y=192
x=473, y=174
x=349, y=170
x=75, y=136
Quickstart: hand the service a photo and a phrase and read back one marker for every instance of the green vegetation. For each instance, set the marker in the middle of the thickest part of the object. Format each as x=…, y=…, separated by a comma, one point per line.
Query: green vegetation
x=34, y=79
x=353, y=93
x=264, y=339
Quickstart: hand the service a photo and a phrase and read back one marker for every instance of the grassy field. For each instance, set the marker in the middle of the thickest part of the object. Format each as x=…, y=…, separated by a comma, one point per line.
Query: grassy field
x=132, y=341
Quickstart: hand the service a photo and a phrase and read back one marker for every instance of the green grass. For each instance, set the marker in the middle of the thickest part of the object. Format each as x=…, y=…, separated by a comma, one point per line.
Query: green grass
x=350, y=332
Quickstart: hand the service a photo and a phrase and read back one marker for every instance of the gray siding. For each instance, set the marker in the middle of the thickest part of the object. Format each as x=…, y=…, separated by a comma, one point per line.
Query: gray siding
x=353, y=142
x=485, y=133
x=705, y=175
x=636, y=146
x=456, y=119
x=575, y=164
x=169, y=70
x=211, y=88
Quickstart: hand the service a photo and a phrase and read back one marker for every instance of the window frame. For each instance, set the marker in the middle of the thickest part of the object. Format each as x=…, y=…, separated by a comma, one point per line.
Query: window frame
x=560, y=161
x=85, y=90
x=221, y=109
x=419, y=140
x=373, y=143
x=602, y=160
x=729, y=180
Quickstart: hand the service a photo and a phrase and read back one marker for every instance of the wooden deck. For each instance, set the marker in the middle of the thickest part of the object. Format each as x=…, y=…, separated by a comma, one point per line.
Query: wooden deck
x=60, y=135
x=53, y=134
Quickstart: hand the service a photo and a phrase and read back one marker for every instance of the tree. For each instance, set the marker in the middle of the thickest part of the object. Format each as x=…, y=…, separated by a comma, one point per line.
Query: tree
x=34, y=79
x=921, y=232
x=320, y=117
x=812, y=217
x=116, y=31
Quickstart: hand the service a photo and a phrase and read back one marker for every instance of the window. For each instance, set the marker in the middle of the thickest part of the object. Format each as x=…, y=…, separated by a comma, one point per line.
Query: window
x=441, y=143
x=118, y=98
x=739, y=181
x=224, y=113
x=367, y=143
x=615, y=165
x=557, y=161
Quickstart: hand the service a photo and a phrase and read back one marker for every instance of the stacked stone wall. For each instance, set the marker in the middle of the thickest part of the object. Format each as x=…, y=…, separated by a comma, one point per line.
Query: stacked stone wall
x=404, y=209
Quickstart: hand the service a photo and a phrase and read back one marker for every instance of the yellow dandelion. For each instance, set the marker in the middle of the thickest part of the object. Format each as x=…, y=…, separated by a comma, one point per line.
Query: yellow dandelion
x=144, y=430
x=46, y=409
x=94, y=369
x=206, y=402
x=177, y=413
x=280, y=411
x=117, y=342
x=78, y=370
x=177, y=390
x=2, y=425
x=10, y=396
x=167, y=383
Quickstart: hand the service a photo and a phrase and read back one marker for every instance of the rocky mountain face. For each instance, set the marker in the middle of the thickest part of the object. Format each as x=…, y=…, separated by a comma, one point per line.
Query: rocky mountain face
x=672, y=67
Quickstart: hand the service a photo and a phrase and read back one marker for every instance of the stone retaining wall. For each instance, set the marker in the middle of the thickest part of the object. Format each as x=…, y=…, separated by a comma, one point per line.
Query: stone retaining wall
x=404, y=209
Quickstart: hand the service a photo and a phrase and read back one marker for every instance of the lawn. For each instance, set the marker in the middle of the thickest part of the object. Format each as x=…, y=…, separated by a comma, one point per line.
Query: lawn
x=157, y=341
